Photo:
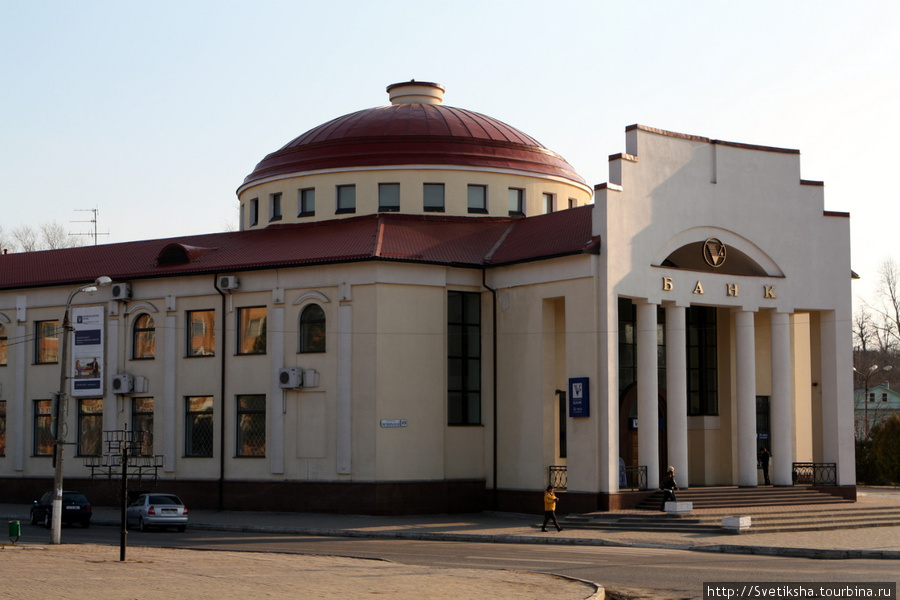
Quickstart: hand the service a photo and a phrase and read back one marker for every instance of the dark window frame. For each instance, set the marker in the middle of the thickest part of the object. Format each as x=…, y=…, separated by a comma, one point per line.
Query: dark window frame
x=382, y=207
x=425, y=197
x=516, y=198
x=342, y=204
x=312, y=331
x=139, y=332
x=464, y=358
x=197, y=418
x=42, y=347
x=192, y=351
x=255, y=417
x=259, y=340
x=43, y=442
x=90, y=427
x=254, y=212
x=481, y=203
x=142, y=409
x=275, y=207
x=306, y=202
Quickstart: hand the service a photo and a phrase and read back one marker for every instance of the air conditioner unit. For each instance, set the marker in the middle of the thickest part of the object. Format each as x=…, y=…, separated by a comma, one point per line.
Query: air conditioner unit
x=310, y=378
x=290, y=378
x=121, y=291
x=123, y=384
x=229, y=282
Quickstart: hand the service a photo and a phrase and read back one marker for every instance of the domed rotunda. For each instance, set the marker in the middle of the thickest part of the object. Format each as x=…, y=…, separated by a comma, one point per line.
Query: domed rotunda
x=414, y=156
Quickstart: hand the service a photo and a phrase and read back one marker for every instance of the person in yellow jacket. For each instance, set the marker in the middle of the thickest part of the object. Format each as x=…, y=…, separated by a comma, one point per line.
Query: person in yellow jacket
x=550, y=508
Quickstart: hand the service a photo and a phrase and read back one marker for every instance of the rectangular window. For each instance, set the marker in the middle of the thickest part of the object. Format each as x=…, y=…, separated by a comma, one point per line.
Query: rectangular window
x=46, y=342
x=43, y=417
x=2, y=427
x=254, y=212
x=251, y=425
x=433, y=197
x=4, y=344
x=252, y=330
x=573, y=203
x=702, y=367
x=477, y=199
x=346, y=199
x=871, y=396
x=463, y=358
x=275, y=207
x=306, y=202
x=142, y=420
x=388, y=197
x=548, y=203
x=90, y=427
x=201, y=339
x=516, y=202
x=198, y=426
x=884, y=396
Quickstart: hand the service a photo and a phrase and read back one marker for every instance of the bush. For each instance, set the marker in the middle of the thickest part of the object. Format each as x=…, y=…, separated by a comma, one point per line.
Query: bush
x=866, y=470
x=886, y=450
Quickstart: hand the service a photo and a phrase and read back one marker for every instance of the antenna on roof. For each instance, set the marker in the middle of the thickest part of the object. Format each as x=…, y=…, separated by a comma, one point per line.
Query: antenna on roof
x=93, y=234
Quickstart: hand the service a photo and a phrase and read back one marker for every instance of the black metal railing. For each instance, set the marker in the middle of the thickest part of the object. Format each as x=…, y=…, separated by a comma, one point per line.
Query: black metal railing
x=558, y=477
x=814, y=473
x=633, y=478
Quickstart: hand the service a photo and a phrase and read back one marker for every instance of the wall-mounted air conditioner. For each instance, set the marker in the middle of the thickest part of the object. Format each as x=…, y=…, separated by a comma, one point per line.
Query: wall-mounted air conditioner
x=310, y=378
x=290, y=378
x=229, y=282
x=123, y=384
x=121, y=291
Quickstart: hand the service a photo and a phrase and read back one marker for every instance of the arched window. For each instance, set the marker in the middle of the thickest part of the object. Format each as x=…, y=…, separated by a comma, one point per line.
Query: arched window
x=144, y=341
x=312, y=329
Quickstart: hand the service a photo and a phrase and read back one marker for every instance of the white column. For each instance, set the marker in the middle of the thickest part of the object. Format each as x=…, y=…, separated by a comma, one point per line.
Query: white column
x=344, y=389
x=782, y=443
x=837, y=387
x=19, y=408
x=745, y=356
x=676, y=391
x=110, y=400
x=169, y=413
x=276, y=408
x=648, y=392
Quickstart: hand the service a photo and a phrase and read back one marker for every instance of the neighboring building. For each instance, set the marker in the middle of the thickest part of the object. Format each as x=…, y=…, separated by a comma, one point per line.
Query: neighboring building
x=873, y=407
x=425, y=310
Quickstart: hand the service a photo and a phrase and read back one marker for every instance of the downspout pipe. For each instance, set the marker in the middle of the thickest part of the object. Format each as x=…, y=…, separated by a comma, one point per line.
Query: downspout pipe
x=494, y=500
x=221, y=487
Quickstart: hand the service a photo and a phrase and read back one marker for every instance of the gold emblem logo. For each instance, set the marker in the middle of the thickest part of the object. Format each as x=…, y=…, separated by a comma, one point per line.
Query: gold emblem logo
x=714, y=252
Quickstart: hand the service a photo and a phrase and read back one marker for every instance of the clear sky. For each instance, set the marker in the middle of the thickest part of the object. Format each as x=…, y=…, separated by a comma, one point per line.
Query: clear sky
x=154, y=112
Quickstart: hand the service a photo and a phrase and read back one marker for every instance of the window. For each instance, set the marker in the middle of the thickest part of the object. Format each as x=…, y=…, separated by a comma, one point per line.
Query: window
x=251, y=425
x=703, y=395
x=548, y=203
x=90, y=427
x=312, y=329
x=388, y=197
x=884, y=396
x=477, y=199
x=346, y=199
x=4, y=342
x=46, y=345
x=275, y=207
x=871, y=396
x=43, y=417
x=198, y=426
x=306, y=202
x=142, y=420
x=201, y=339
x=433, y=195
x=2, y=427
x=573, y=203
x=252, y=330
x=254, y=212
x=516, y=202
x=144, y=339
x=463, y=358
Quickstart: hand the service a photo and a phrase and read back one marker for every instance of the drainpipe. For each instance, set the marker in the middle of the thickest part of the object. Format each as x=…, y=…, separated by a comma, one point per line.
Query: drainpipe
x=493, y=378
x=221, y=487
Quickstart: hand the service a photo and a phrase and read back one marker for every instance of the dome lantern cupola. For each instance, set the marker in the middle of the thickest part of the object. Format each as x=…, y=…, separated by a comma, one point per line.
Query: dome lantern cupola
x=416, y=92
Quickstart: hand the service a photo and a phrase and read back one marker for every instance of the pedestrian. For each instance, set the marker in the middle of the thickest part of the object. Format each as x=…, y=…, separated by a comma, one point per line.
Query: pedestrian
x=668, y=487
x=764, y=463
x=550, y=509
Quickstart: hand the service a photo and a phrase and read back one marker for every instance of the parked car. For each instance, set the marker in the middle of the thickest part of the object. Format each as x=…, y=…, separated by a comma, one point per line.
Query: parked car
x=76, y=508
x=157, y=510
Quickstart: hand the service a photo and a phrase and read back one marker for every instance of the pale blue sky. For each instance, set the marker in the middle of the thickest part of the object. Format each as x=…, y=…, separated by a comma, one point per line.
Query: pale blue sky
x=153, y=112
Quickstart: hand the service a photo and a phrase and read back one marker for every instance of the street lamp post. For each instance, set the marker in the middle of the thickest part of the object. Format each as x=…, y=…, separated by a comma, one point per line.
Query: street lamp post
x=866, y=377
x=56, y=513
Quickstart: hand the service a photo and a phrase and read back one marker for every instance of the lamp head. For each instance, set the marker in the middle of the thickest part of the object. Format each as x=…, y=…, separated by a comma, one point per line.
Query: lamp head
x=102, y=281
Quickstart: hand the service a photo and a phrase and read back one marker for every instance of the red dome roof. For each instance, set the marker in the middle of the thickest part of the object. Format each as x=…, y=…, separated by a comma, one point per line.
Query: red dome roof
x=419, y=134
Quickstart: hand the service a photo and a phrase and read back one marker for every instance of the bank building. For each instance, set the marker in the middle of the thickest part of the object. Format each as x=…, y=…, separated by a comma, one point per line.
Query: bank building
x=424, y=310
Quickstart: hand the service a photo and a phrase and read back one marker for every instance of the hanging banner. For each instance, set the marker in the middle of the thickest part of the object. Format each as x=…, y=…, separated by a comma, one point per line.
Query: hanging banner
x=87, y=351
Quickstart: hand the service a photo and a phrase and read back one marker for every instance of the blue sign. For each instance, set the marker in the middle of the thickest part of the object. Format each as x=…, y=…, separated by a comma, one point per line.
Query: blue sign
x=579, y=397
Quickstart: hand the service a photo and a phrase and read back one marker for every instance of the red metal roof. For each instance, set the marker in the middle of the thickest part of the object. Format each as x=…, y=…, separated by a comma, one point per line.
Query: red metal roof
x=471, y=242
x=418, y=134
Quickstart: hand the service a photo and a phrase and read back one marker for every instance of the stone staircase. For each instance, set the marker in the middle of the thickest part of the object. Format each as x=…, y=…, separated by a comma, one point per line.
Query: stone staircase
x=733, y=497
x=794, y=520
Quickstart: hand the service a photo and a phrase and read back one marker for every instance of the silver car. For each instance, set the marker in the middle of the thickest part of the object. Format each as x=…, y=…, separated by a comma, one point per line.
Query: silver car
x=157, y=510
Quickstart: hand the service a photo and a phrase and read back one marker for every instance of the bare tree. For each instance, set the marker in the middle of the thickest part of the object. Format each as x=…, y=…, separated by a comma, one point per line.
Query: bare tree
x=863, y=329
x=888, y=307
x=51, y=235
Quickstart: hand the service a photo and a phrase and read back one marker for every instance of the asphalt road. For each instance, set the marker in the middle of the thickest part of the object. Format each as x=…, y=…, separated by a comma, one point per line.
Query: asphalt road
x=665, y=573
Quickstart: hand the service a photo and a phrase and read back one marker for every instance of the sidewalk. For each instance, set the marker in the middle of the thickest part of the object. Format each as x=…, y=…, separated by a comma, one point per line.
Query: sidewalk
x=870, y=542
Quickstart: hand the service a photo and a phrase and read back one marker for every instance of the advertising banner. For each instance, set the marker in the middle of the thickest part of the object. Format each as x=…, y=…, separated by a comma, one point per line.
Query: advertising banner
x=87, y=351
